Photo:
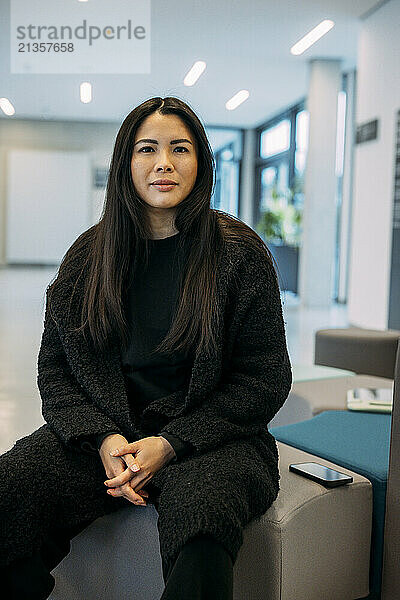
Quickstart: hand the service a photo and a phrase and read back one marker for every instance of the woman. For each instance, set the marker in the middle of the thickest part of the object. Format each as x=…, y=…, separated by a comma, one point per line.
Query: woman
x=163, y=358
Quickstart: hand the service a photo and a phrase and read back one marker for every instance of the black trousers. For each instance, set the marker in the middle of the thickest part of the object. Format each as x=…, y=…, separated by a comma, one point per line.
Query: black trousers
x=37, y=495
x=203, y=570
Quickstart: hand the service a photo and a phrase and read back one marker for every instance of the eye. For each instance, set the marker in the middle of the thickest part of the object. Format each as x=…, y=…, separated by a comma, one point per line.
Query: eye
x=176, y=147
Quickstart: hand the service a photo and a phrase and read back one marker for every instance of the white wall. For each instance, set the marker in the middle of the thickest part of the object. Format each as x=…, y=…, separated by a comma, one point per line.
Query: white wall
x=96, y=139
x=378, y=97
x=48, y=204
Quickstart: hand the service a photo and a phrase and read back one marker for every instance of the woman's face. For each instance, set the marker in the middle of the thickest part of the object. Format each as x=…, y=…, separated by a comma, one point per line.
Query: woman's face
x=163, y=148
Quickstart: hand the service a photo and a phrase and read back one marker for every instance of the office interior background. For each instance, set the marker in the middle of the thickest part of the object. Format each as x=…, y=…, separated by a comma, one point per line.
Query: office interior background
x=309, y=158
x=298, y=150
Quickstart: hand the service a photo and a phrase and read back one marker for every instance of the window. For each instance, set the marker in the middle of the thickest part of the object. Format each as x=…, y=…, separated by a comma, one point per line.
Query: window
x=227, y=147
x=280, y=164
x=276, y=139
x=302, y=124
x=273, y=181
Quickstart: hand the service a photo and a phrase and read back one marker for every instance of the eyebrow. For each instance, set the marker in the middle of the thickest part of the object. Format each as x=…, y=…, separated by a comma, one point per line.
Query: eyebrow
x=148, y=140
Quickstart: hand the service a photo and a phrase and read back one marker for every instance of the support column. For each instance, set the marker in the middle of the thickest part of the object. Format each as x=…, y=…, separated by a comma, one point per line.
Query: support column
x=317, y=255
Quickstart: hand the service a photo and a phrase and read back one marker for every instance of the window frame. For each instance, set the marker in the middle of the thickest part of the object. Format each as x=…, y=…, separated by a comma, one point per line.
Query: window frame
x=287, y=156
x=238, y=161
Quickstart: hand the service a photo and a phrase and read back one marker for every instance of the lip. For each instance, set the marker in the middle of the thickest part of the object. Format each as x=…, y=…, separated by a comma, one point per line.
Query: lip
x=164, y=188
x=164, y=182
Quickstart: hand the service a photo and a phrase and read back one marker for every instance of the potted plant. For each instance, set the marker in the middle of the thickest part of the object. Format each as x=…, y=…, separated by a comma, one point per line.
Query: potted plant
x=280, y=227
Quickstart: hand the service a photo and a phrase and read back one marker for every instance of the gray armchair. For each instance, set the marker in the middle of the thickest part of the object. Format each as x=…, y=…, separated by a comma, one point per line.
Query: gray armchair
x=364, y=351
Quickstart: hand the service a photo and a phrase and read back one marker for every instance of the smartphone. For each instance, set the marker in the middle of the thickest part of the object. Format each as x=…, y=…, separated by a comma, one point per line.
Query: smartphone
x=321, y=474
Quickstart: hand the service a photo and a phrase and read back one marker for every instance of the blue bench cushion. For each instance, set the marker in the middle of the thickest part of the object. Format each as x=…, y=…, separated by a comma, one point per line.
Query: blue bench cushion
x=359, y=442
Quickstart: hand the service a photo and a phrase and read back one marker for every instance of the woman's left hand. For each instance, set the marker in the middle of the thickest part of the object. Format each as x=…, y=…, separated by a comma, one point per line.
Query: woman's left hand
x=151, y=454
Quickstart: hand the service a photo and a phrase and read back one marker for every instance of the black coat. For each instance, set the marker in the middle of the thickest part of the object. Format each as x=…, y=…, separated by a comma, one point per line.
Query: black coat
x=232, y=477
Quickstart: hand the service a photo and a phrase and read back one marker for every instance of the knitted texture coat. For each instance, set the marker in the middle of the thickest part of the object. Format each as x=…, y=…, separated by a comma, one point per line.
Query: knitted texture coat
x=232, y=476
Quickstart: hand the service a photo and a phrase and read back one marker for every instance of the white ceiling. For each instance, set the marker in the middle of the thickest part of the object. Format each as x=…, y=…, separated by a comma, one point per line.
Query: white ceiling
x=246, y=45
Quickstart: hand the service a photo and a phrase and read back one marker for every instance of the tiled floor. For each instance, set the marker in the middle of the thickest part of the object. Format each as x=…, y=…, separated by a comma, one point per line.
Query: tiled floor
x=22, y=298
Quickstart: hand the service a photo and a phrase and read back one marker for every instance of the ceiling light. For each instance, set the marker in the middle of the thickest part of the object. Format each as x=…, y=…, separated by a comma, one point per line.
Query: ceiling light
x=195, y=72
x=313, y=36
x=6, y=106
x=237, y=99
x=86, y=92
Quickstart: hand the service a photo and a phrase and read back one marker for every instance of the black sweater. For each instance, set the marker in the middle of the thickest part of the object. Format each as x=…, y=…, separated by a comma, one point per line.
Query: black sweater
x=232, y=475
x=150, y=303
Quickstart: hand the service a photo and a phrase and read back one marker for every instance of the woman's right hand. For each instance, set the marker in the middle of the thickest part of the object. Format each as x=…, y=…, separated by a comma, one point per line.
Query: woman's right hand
x=116, y=465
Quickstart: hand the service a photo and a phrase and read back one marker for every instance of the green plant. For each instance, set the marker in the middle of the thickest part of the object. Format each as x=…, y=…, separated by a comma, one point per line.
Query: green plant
x=281, y=220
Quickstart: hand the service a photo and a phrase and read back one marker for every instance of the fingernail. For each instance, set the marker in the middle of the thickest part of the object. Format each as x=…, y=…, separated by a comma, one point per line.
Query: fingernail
x=135, y=467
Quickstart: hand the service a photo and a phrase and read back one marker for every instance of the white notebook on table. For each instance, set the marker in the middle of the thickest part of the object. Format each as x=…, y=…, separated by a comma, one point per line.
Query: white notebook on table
x=370, y=399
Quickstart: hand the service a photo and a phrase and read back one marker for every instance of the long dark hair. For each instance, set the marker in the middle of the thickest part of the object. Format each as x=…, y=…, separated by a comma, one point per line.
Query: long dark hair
x=108, y=248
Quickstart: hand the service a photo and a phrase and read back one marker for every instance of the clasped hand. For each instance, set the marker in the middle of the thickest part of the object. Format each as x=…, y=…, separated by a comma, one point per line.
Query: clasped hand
x=129, y=466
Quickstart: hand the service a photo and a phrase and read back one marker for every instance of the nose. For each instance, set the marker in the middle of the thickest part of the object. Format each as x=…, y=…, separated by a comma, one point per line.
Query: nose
x=163, y=162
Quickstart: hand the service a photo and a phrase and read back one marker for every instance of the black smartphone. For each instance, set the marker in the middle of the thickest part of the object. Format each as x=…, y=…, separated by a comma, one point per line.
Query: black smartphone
x=321, y=474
